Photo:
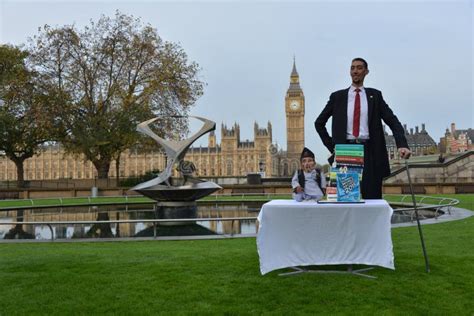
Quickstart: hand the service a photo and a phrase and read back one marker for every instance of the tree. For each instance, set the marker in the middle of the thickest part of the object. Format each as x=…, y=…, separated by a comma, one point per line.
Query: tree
x=23, y=123
x=116, y=73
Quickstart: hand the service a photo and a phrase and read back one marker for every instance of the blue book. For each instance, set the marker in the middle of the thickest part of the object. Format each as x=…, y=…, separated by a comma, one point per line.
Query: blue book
x=345, y=169
x=348, y=187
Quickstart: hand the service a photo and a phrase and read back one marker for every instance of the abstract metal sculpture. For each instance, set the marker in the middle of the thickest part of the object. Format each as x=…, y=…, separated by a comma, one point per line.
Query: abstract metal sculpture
x=162, y=188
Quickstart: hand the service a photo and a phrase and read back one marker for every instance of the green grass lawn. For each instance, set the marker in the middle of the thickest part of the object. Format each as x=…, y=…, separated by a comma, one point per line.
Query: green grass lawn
x=222, y=277
x=466, y=201
x=85, y=201
x=55, y=202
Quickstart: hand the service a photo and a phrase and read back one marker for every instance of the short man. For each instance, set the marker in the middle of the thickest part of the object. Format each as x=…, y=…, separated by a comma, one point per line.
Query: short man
x=357, y=113
x=308, y=183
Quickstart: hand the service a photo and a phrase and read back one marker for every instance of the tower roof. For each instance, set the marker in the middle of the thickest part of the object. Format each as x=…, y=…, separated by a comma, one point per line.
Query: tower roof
x=294, y=72
x=294, y=78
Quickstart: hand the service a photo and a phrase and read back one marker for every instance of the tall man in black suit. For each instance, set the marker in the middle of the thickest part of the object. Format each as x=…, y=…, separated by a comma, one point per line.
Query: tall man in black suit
x=357, y=113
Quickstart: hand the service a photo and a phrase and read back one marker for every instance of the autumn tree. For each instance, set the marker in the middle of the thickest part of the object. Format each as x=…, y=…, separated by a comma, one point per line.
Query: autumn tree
x=24, y=125
x=116, y=72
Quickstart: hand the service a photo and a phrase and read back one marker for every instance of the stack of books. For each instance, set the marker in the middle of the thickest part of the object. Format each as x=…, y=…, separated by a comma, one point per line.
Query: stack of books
x=346, y=174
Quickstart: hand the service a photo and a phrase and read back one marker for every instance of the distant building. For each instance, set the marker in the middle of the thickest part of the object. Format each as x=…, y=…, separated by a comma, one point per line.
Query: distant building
x=419, y=141
x=232, y=157
x=294, y=110
x=457, y=141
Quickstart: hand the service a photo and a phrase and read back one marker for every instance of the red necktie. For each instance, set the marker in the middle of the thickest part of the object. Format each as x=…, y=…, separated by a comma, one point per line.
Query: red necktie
x=356, y=120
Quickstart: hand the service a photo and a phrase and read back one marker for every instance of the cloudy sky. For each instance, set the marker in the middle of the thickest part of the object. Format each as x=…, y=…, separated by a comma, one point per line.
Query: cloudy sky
x=420, y=53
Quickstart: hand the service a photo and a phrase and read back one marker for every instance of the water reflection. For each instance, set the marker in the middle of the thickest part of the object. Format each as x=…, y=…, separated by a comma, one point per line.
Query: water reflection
x=230, y=210
x=213, y=210
x=138, y=212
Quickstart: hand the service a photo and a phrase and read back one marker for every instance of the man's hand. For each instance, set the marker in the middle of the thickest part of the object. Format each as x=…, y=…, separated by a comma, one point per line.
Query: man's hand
x=299, y=189
x=404, y=153
x=331, y=159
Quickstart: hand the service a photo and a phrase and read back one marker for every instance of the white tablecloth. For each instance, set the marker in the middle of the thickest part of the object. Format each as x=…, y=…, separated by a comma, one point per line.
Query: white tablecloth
x=307, y=233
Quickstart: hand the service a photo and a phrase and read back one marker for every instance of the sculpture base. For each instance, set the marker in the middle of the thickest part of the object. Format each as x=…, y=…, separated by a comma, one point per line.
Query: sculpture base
x=187, y=193
x=175, y=230
x=172, y=210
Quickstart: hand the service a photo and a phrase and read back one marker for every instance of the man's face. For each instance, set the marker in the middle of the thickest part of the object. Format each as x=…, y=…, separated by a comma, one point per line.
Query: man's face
x=358, y=72
x=307, y=163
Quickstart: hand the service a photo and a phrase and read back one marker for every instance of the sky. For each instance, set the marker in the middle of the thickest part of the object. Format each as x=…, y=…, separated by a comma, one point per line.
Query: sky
x=420, y=54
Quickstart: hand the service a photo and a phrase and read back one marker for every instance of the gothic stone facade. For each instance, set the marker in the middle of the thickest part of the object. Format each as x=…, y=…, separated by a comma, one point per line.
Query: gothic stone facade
x=419, y=141
x=457, y=140
x=232, y=157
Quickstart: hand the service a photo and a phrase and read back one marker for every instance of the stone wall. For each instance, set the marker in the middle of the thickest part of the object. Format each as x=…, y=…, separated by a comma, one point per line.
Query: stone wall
x=458, y=170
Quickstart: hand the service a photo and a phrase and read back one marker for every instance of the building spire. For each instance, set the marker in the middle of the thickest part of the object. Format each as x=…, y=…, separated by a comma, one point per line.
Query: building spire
x=294, y=78
x=294, y=72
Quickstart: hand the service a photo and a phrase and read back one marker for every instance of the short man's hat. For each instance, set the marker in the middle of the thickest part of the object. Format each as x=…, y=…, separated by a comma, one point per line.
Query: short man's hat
x=306, y=153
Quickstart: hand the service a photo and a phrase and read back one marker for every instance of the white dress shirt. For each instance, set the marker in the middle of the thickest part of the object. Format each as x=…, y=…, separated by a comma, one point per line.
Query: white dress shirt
x=364, y=114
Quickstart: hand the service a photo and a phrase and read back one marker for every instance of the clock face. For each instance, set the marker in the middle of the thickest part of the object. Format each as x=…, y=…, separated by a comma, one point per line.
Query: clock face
x=295, y=105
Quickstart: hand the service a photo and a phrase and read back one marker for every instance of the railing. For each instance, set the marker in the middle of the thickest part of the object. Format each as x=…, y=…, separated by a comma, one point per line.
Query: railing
x=132, y=199
x=38, y=184
x=437, y=203
x=242, y=196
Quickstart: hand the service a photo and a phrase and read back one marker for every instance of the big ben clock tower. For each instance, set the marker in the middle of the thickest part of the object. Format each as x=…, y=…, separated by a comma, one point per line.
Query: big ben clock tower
x=294, y=108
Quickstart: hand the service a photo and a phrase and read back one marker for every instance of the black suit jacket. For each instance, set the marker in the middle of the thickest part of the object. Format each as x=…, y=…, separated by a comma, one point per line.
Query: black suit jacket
x=378, y=110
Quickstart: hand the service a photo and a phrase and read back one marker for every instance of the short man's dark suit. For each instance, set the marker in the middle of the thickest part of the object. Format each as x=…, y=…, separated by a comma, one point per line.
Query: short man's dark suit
x=376, y=164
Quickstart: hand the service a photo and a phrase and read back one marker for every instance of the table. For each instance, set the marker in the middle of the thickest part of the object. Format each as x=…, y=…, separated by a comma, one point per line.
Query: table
x=293, y=234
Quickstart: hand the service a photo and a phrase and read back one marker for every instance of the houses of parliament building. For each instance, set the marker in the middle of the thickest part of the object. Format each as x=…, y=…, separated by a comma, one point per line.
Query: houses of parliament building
x=232, y=157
